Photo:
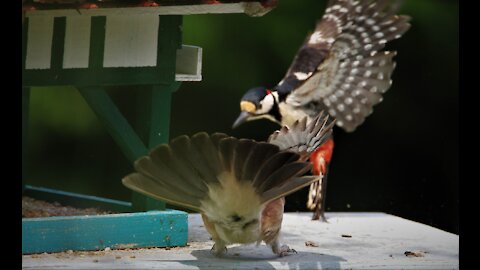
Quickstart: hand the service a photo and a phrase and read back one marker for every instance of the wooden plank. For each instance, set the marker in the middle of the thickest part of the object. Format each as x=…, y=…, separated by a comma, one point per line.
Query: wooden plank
x=76, y=199
x=147, y=229
x=98, y=77
x=251, y=8
x=114, y=122
x=39, y=47
x=131, y=40
x=77, y=42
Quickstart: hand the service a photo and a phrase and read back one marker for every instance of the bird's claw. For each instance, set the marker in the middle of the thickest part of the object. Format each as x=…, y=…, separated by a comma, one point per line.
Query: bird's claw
x=320, y=218
x=218, y=251
x=286, y=250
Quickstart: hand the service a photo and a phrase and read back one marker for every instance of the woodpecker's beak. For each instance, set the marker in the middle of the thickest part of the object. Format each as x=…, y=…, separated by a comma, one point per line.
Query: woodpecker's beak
x=242, y=118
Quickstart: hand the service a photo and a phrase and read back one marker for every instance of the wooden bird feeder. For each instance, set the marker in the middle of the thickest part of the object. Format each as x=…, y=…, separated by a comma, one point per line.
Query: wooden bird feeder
x=94, y=44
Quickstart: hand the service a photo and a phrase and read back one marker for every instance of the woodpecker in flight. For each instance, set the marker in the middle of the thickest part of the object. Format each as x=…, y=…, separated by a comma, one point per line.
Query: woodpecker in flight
x=340, y=68
x=238, y=185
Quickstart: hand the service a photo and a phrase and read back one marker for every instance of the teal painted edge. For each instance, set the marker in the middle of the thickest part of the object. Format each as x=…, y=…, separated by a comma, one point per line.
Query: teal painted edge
x=117, y=231
x=76, y=199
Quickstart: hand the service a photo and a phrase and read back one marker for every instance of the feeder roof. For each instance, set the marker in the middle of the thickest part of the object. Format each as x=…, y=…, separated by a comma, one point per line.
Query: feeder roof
x=178, y=7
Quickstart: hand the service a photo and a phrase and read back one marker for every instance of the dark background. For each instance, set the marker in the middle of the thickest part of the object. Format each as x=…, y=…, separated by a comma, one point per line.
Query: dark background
x=403, y=160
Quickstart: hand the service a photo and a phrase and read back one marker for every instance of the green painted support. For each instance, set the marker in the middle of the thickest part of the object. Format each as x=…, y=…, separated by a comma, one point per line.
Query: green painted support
x=87, y=77
x=58, y=44
x=154, y=116
x=155, y=102
x=97, y=43
x=76, y=199
x=113, y=120
x=147, y=229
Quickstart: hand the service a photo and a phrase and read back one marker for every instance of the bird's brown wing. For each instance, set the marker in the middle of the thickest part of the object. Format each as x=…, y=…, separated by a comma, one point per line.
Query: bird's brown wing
x=183, y=171
x=340, y=67
x=178, y=172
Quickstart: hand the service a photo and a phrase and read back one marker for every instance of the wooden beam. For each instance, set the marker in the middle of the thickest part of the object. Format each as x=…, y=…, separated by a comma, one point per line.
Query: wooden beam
x=158, y=7
x=113, y=120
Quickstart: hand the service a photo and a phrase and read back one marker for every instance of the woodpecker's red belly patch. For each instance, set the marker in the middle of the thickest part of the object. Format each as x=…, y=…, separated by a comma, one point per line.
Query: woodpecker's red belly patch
x=321, y=157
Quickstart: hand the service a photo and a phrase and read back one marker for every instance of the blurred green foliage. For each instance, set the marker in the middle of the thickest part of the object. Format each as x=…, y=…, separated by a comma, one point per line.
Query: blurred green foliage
x=411, y=138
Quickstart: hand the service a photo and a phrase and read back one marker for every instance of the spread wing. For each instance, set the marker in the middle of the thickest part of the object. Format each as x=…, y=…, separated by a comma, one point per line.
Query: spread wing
x=183, y=171
x=340, y=67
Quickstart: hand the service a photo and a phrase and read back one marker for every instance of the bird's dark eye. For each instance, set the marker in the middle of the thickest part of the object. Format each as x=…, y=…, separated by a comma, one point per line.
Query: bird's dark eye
x=251, y=222
x=236, y=218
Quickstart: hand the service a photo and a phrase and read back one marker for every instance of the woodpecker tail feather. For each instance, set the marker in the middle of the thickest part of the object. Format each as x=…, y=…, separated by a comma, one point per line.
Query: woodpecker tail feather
x=302, y=138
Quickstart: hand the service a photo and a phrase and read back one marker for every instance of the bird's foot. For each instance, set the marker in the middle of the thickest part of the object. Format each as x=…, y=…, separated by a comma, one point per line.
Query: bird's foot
x=218, y=250
x=285, y=251
x=320, y=217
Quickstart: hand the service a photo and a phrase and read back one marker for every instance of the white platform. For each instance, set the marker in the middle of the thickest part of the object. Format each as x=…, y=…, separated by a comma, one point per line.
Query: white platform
x=378, y=241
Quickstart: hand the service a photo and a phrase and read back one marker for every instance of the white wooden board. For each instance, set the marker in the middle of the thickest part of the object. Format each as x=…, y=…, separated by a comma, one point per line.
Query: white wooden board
x=378, y=241
x=39, y=51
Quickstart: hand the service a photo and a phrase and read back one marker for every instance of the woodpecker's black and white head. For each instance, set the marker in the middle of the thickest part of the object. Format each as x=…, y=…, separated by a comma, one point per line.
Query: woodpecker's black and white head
x=258, y=102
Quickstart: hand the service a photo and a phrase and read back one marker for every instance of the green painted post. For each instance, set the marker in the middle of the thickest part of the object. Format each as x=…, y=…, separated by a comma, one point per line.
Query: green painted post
x=154, y=129
x=154, y=114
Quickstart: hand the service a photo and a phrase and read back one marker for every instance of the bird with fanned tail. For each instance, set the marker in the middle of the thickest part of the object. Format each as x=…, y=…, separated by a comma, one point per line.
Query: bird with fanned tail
x=238, y=185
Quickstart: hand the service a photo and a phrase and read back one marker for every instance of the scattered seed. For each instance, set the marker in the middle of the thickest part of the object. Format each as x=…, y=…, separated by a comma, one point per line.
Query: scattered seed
x=311, y=244
x=414, y=253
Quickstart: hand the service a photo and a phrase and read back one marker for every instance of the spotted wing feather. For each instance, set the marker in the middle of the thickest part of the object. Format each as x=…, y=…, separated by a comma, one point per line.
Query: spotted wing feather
x=352, y=73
